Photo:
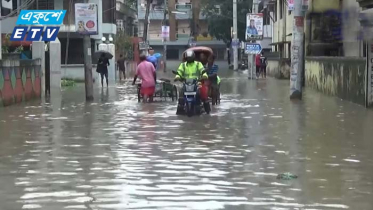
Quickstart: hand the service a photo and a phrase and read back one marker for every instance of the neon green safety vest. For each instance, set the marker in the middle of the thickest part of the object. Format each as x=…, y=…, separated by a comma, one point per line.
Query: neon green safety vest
x=191, y=71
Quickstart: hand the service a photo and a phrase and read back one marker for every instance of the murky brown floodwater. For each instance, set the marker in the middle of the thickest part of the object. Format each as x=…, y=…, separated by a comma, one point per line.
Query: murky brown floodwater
x=118, y=154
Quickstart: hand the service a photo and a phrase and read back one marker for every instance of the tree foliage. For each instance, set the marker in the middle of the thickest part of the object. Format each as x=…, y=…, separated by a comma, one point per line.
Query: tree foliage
x=123, y=43
x=220, y=23
x=131, y=3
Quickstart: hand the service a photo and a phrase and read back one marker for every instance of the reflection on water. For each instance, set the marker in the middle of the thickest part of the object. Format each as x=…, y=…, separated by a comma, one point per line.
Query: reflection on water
x=118, y=154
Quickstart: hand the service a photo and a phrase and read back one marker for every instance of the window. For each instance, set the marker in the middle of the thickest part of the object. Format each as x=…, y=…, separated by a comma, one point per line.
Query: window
x=120, y=25
x=217, y=9
x=75, y=54
x=266, y=18
x=173, y=54
x=157, y=5
x=43, y=5
x=221, y=54
x=186, y=6
x=281, y=9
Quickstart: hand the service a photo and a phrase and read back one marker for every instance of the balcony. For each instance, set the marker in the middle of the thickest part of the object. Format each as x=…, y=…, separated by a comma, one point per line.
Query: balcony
x=365, y=4
x=126, y=10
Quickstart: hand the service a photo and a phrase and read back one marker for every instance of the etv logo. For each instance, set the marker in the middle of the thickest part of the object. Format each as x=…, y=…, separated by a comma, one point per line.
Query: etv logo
x=41, y=18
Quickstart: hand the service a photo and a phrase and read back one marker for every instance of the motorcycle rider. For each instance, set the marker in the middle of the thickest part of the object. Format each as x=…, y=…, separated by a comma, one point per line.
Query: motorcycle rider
x=191, y=69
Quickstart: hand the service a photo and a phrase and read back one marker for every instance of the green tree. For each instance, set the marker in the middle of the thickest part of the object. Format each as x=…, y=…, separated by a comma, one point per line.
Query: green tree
x=132, y=3
x=220, y=23
x=123, y=44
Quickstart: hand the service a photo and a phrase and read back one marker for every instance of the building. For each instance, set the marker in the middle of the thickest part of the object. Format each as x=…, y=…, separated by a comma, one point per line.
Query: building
x=126, y=17
x=323, y=33
x=106, y=25
x=336, y=46
x=187, y=25
x=267, y=26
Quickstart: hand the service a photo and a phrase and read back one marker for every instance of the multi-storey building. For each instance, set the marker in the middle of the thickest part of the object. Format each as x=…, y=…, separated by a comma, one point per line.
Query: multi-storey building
x=187, y=25
x=126, y=17
x=106, y=25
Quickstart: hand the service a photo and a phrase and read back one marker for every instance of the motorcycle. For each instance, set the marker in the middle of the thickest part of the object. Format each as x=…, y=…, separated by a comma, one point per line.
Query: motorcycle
x=192, y=106
x=244, y=65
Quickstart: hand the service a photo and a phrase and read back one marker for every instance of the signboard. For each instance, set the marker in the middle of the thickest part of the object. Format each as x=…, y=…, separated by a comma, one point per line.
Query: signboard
x=254, y=26
x=143, y=46
x=290, y=5
x=253, y=48
x=165, y=32
x=369, y=78
x=86, y=18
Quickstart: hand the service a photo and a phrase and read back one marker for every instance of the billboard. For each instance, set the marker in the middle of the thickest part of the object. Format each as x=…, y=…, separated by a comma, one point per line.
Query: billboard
x=86, y=18
x=290, y=5
x=254, y=26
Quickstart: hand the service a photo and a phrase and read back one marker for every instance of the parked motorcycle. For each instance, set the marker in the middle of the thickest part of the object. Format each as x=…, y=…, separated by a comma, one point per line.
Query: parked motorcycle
x=192, y=106
x=244, y=65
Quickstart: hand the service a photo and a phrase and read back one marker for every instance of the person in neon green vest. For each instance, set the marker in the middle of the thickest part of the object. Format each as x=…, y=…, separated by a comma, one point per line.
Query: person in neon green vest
x=190, y=69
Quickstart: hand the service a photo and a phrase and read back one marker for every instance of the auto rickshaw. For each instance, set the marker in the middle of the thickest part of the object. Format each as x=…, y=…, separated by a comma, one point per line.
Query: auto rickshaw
x=214, y=92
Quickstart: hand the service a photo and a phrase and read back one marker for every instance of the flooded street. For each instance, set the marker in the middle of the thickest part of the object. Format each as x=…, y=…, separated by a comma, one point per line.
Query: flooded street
x=118, y=154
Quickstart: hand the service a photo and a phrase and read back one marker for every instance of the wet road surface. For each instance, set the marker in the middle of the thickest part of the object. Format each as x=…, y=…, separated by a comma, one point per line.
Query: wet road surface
x=118, y=154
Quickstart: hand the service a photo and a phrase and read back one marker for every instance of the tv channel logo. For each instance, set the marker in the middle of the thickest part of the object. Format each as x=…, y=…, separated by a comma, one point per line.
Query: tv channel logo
x=37, y=19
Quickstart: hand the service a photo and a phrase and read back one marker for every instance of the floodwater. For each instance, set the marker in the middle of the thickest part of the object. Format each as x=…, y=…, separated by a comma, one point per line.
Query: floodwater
x=118, y=154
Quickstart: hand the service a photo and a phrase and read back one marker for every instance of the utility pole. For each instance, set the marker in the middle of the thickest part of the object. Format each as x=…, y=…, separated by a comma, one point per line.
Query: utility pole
x=165, y=38
x=1, y=46
x=146, y=23
x=297, y=52
x=235, y=50
x=88, y=66
x=251, y=58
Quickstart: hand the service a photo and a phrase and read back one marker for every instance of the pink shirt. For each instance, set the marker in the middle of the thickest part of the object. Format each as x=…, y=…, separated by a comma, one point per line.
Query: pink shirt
x=145, y=70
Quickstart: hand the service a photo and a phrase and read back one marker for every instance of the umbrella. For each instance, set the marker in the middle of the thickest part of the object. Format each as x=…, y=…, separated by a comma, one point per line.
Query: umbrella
x=108, y=55
x=152, y=59
x=157, y=55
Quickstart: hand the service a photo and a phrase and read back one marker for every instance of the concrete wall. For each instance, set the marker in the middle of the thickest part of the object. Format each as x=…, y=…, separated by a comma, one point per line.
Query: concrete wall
x=337, y=76
x=278, y=68
x=76, y=72
x=20, y=80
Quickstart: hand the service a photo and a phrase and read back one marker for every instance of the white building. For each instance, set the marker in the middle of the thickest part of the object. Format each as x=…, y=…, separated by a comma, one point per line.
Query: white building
x=106, y=27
